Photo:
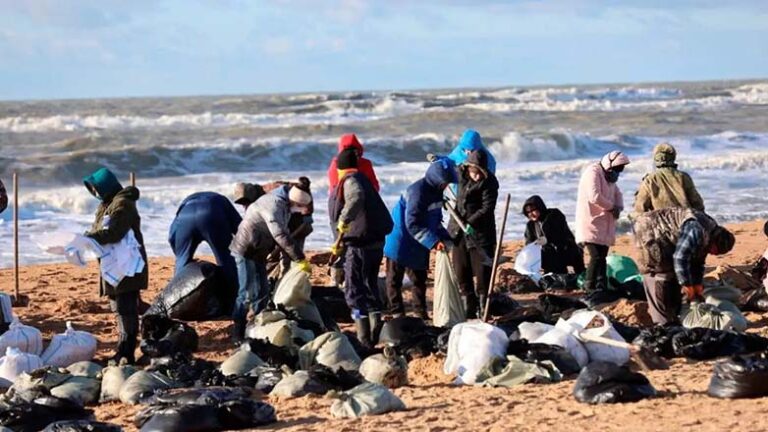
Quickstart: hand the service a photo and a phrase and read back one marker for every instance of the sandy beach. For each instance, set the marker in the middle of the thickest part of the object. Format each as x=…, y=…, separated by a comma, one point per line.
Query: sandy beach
x=61, y=292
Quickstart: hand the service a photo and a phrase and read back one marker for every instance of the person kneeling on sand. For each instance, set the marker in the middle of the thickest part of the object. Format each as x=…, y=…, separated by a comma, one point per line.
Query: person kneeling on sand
x=361, y=217
x=674, y=244
x=667, y=186
x=115, y=215
x=418, y=228
x=265, y=226
x=548, y=228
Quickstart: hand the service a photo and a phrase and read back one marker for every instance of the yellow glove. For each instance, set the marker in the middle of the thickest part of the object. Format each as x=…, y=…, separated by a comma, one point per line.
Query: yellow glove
x=336, y=249
x=343, y=228
x=304, y=266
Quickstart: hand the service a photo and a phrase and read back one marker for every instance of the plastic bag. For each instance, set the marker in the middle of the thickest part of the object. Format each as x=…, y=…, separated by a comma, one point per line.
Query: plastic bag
x=535, y=352
x=206, y=414
x=501, y=304
x=366, y=399
x=162, y=336
x=6, y=314
x=410, y=336
x=531, y=331
x=297, y=385
x=294, y=289
x=36, y=415
x=707, y=344
x=605, y=382
x=142, y=384
x=705, y=315
x=85, y=369
x=82, y=426
x=596, y=324
x=566, y=340
x=241, y=362
x=554, y=305
x=528, y=261
x=273, y=327
x=15, y=362
x=197, y=293
x=25, y=338
x=69, y=347
x=470, y=347
x=447, y=307
x=274, y=355
x=658, y=339
x=331, y=349
x=78, y=389
x=740, y=377
x=512, y=371
x=387, y=369
x=112, y=380
x=621, y=269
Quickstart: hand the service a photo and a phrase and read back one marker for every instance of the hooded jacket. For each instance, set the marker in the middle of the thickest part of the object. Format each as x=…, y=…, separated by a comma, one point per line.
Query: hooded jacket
x=666, y=187
x=264, y=226
x=596, y=199
x=471, y=141
x=116, y=215
x=476, y=202
x=553, y=224
x=3, y=197
x=364, y=166
x=356, y=203
x=418, y=217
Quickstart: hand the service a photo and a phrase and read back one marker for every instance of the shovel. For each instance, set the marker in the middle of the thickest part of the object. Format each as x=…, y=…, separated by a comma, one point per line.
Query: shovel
x=647, y=359
x=487, y=261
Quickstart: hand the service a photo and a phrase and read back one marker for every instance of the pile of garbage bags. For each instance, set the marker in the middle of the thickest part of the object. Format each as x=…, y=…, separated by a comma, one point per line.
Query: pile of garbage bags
x=743, y=376
x=605, y=382
x=198, y=292
x=699, y=343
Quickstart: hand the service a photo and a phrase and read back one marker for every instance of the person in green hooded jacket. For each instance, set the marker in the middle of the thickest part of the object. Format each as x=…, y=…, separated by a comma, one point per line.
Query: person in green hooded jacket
x=115, y=215
x=666, y=186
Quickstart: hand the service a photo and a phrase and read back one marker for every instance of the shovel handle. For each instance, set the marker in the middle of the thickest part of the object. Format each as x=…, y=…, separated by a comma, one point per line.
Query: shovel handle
x=606, y=341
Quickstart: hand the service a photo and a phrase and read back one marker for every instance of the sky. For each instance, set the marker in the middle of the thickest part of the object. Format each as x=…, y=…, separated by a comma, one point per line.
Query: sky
x=52, y=49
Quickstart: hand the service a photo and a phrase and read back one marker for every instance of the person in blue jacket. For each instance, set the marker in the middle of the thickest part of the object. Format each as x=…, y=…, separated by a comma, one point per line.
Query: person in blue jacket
x=418, y=228
x=471, y=141
x=205, y=217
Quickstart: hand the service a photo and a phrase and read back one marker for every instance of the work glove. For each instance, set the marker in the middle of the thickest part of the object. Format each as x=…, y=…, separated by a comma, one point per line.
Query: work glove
x=541, y=241
x=336, y=249
x=468, y=230
x=693, y=292
x=304, y=266
x=343, y=228
x=617, y=212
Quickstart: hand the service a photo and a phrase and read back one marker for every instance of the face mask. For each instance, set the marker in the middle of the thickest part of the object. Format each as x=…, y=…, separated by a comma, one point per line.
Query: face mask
x=612, y=176
x=299, y=209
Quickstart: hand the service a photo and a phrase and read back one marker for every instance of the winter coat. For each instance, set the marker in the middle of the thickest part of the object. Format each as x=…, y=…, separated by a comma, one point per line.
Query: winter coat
x=357, y=204
x=471, y=141
x=264, y=226
x=596, y=198
x=3, y=197
x=116, y=215
x=214, y=204
x=667, y=187
x=364, y=166
x=476, y=203
x=560, y=249
x=418, y=218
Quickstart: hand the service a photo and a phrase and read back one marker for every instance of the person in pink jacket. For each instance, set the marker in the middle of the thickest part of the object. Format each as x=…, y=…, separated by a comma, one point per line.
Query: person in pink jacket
x=598, y=206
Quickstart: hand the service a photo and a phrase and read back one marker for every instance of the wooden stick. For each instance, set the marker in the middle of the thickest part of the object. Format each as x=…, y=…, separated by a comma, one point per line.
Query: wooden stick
x=16, y=233
x=132, y=177
x=496, y=257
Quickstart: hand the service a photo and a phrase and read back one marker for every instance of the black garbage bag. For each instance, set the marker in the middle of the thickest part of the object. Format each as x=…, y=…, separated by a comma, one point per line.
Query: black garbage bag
x=707, y=344
x=340, y=379
x=524, y=285
x=36, y=415
x=537, y=352
x=501, y=304
x=410, y=337
x=268, y=377
x=738, y=377
x=198, y=293
x=558, y=281
x=399, y=330
x=214, y=378
x=658, y=339
x=82, y=426
x=332, y=305
x=599, y=297
x=182, y=368
x=199, y=396
x=274, y=355
x=628, y=332
x=604, y=382
x=162, y=336
x=188, y=418
x=554, y=306
x=312, y=326
x=632, y=289
x=442, y=341
x=246, y=414
x=512, y=320
x=754, y=300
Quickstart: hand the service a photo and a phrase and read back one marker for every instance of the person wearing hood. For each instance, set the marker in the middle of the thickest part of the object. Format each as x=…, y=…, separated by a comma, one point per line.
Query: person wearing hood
x=418, y=229
x=116, y=215
x=364, y=166
x=3, y=197
x=471, y=141
x=475, y=206
x=674, y=243
x=205, y=217
x=548, y=228
x=246, y=194
x=666, y=186
x=265, y=226
x=598, y=206
x=361, y=217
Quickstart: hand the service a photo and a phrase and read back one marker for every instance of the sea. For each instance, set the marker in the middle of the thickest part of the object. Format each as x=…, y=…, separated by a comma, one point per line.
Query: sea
x=541, y=136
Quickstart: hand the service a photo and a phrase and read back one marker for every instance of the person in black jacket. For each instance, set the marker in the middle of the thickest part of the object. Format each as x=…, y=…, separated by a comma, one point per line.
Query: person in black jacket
x=475, y=205
x=548, y=228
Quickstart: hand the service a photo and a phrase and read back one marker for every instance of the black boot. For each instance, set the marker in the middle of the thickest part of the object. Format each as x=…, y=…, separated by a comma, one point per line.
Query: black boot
x=376, y=324
x=363, y=327
x=128, y=326
x=238, y=331
x=470, y=306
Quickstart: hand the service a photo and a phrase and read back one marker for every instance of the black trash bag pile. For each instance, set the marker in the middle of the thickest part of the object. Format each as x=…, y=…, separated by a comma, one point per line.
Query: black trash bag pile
x=214, y=378
x=268, y=377
x=559, y=281
x=603, y=382
x=340, y=380
x=628, y=332
x=707, y=344
x=162, y=336
x=739, y=377
x=410, y=337
x=332, y=305
x=512, y=320
x=198, y=293
x=21, y=416
x=292, y=315
x=182, y=368
x=554, y=306
x=658, y=339
x=274, y=355
x=82, y=426
x=209, y=409
x=537, y=352
x=501, y=304
x=524, y=285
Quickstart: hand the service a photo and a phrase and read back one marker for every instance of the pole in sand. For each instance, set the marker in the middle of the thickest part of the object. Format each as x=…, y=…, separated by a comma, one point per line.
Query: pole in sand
x=132, y=177
x=496, y=257
x=16, y=234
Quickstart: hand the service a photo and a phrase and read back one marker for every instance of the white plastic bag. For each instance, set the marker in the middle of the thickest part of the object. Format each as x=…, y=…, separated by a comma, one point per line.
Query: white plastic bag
x=15, y=362
x=6, y=308
x=531, y=331
x=447, y=307
x=294, y=289
x=596, y=324
x=566, y=340
x=528, y=262
x=470, y=347
x=70, y=347
x=25, y=338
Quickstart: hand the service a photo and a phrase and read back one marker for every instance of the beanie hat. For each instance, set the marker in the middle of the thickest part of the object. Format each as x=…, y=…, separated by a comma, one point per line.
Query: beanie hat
x=664, y=155
x=614, y=159
x=346, y=159
x=299, y=196
x=723, y=240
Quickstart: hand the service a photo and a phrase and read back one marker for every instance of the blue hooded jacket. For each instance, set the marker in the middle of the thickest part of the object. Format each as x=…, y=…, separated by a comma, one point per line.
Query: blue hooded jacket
x=471, y=141
x=418, y=217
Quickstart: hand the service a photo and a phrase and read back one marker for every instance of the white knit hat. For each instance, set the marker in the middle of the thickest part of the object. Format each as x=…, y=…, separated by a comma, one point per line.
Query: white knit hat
x=299, y=196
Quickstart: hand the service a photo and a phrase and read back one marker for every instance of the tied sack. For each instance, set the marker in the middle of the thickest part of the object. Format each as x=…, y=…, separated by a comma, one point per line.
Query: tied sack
x=528, y=262
x=15, y=362
x=470, y=347
x=596, y=324
x=112, y=380
x=448, y=309
x=388, y=369
x=713, y=314
x=294, y=291
x=741, y=376
x=143, y=384
x=330, y=349
x=241, y=362
x=26, y=338
x=70, y=347
x=366, y=399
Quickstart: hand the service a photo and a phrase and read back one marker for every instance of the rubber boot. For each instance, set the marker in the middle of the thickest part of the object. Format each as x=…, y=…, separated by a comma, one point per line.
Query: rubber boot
x=128, y=326
x=238, y=331
x=470, y=306
x=483, y=299
x=376, y=324
x=363, y=328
